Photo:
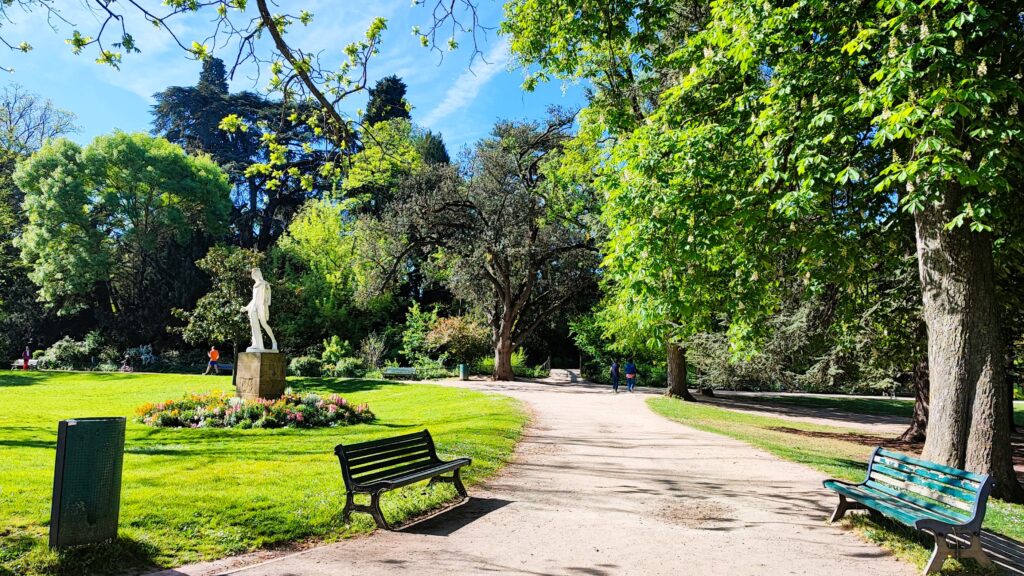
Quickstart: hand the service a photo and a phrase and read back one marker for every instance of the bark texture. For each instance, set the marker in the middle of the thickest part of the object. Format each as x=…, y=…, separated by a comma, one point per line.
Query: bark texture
x=503, y=349
x=919, y=422
x=677, y=372
x=968, y=425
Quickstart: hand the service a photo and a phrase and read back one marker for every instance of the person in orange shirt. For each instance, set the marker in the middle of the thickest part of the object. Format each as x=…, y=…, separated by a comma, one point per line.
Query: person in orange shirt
x=214, y=356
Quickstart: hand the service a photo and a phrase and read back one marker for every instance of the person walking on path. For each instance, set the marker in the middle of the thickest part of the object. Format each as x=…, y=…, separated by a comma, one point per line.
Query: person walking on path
x=631, y=375
x=214, y=355
x=615, y=376
x=25, y=357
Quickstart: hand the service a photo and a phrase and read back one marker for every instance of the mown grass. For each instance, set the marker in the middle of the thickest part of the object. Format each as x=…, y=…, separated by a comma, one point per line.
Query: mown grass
x=860, y=405
x=196, y=494
x=836, y=458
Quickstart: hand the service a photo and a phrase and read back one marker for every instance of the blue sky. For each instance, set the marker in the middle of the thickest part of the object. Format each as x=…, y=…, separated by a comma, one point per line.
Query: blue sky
x=450, y=95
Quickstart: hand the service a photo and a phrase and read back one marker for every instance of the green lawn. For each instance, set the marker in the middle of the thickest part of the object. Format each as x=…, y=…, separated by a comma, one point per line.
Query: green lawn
x=833, y=457
x=884, y=406
x=196, y=494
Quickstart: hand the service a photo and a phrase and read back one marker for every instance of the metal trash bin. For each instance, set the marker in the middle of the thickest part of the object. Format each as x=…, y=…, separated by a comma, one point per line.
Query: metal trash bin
x=463, y=372
x=87, y=481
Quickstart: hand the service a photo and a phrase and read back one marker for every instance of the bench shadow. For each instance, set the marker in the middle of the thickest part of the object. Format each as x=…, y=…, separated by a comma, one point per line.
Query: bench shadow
x=449, y=520
x=1006, y=552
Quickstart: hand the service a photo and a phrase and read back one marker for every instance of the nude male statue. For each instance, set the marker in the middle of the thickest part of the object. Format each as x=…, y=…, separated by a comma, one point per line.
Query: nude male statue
x=259, y=311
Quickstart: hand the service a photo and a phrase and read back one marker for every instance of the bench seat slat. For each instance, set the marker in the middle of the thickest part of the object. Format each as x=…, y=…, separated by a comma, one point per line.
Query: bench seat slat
x=414, y=476
x=391, y=473
x=946, y=514
x=892, y=506
x=932, y=466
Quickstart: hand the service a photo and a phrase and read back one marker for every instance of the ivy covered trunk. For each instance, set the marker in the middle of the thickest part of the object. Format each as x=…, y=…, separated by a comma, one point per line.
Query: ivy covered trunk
x=969, y=421
x=677, y=372
x=919, y=422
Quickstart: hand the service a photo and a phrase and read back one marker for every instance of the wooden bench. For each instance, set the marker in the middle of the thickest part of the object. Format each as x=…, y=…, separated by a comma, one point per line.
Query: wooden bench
x=937, y=499
x=377, y=466
x=397, y=371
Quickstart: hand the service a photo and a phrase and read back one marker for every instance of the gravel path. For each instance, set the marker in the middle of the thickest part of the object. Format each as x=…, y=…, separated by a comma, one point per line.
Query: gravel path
x=601, y=485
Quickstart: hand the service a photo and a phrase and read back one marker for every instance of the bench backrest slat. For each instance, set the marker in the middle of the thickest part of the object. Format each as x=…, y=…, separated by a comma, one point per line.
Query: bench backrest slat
x=956, y=495
x=932, y=466
x=369, y=461
x=919, y=497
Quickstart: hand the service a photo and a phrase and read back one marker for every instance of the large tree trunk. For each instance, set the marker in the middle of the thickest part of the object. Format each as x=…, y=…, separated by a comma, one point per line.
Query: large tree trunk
x=503, y=358
x=677, y=373
x=919, y=422
x=968, y=425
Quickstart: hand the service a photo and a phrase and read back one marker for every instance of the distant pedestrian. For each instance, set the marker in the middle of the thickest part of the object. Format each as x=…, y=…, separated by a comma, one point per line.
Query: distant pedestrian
x=25, y=357
x=615, y=376
x=126, y=365
x=214, y=355
x=631, y=374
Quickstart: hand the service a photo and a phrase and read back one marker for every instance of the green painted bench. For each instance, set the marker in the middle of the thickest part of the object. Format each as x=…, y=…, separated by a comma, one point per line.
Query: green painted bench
x=397, y=371
x=924, y=495
x=377, y=466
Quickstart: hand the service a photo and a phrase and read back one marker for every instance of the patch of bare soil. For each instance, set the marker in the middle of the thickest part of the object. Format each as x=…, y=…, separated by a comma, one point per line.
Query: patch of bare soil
x=696, y=513
x=865, y=439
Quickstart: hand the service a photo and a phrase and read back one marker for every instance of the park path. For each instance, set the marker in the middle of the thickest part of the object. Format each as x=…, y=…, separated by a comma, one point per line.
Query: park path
x=602, y=485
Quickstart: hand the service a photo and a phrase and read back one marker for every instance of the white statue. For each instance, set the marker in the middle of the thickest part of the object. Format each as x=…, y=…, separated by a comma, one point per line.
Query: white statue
x=259, y=310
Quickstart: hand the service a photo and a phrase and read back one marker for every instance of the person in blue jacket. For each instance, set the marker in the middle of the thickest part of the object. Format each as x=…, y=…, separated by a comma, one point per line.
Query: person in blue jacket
x=631, y=374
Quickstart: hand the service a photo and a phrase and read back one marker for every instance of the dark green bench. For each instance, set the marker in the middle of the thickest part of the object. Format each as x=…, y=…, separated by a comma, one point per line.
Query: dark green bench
x=398, y=371
x=377, y=466
x=937, y=499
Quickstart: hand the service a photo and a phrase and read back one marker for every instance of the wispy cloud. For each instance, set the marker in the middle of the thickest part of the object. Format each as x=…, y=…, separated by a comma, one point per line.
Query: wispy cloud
x=467, y=86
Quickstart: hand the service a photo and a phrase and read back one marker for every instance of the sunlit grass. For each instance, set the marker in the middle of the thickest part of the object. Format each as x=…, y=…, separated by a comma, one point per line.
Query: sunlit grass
x=196, y=494
x=835, y=458
x=861, y=405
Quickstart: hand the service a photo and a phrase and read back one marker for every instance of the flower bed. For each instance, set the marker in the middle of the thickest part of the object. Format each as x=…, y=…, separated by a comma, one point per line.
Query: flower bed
x=220, y=410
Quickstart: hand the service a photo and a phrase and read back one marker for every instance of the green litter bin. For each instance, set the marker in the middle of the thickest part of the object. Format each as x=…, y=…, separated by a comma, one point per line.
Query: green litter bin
x=463, y=372
x=87, y=481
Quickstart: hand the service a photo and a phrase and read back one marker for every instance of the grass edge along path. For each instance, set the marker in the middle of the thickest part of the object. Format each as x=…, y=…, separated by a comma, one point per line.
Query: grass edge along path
x=191, y=495
x=837, y=459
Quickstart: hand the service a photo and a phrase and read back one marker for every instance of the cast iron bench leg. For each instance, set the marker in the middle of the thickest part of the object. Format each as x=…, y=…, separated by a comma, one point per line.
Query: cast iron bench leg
x=844, y=506
x=943, y=551
x=375, y=511
x=350, y=506
x=939, y=555
x=455, y=479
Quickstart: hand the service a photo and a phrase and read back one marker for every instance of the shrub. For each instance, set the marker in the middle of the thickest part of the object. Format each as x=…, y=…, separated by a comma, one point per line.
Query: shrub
x=69, y=354
x=418, y=324
x=220, y=410
x=305, y=366
x=372, y=350
x=349, y=366
x=37, y=354
x=334, y=350
x=459, y=337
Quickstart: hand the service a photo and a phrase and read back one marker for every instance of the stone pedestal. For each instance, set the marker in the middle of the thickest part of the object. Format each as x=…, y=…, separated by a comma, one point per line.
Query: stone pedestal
x=260, y=375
